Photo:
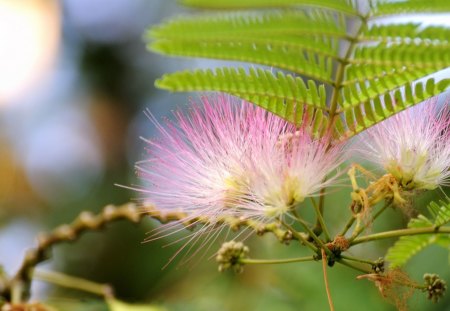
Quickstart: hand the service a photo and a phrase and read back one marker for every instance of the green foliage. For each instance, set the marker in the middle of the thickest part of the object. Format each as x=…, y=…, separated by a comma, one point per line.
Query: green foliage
x=294, y=59
x=346, y=6
x=421, y=55
x=386, y=7
x=276, y=39
x=284, y=95
x=281, y=25
x=408, y=31
x=370, y=71
x=407, y=246
x=366, y=105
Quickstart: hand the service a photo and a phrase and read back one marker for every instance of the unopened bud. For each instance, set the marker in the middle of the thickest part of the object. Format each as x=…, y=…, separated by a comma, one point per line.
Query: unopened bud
x=435, y=287
x=230, y=254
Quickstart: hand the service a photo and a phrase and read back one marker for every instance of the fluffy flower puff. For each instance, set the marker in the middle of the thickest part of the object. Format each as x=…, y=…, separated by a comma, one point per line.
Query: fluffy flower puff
x=299, y=167
x=227, y=158
x=413, y=146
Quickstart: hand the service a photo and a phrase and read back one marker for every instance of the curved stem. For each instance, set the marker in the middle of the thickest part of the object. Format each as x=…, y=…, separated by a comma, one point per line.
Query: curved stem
x=314, y=236
x=325, y=277
x=353, y=266
x=65, y=233
x=365, y=261
x=19, y=285
x=377, y=214
x=348, y=225
x=400, y=233
x=340, y=71
x=300, y=237
x=68, y=281
x=249, y=261
x=320, y=223
x=362, y=228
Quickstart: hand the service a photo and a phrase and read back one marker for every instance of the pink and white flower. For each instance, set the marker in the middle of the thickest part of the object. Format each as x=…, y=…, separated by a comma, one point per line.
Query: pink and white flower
x=299, y=167
x=200, y=164
x=413, y=146
x=231, y=158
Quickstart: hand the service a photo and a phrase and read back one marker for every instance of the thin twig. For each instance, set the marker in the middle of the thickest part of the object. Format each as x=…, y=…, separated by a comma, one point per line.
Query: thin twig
x=86, y=221
x=69, y=281
x=362, y=228
x=348, y=225
x=318, y=227
x=300, y=237
x=353, y=266
x=399, y=233
x=365, y=261
x=19, y=285
x=320, y=221
x=249, y=261
x=325, y=277
x=314, y=236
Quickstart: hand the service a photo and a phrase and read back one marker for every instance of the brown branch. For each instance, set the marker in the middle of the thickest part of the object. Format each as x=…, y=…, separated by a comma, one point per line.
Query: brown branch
x=325, y=277
x=234, y=223
x=87, y=221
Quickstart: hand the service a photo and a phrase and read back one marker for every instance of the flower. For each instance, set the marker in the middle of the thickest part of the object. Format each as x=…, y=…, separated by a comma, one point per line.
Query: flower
x=413, y=146
x=297, y=167
x=228, y=159
x=200, y=164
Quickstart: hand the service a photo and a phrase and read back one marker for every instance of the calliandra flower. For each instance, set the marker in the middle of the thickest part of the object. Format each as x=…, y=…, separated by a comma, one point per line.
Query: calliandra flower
x=200, y=163
x=299, y=167
x=228, y=159
x=413, y=146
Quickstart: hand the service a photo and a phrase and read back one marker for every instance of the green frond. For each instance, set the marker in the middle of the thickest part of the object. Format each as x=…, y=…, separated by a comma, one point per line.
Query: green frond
x=389, y=7
x=345, y=6
x=353, y=94
x=372, y=75
x=408, y=31
x=407, y=246
x=273, y=39
x=284, y=95
x=440, y=213
x=238, y=25
x=357, y=73
x=292, y=58
x=403, y=54
x=379, y=107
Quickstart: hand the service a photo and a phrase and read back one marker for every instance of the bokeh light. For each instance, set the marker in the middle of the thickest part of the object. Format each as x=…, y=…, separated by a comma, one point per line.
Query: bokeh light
x=29, y=39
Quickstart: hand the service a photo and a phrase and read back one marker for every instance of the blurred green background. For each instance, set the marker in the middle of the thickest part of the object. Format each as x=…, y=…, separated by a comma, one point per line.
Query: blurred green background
x=75, y=77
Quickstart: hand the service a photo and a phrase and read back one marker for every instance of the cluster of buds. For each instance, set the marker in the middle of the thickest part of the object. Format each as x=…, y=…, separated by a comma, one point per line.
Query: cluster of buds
x=378, y=266
x=230, y=256
x=435, y=287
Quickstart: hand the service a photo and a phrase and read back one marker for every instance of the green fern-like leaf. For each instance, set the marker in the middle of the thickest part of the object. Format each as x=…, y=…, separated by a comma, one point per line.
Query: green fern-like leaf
x=293, y=58
x=406, y=247
x=284, y=95
x=435, y=56
x=374, y=106
x=271, y=24
x=407, y=32
x=274, y=39
x=440, y=213
x=370, y=71
x=386, y=7
x=345, y=6
x=367, y=73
